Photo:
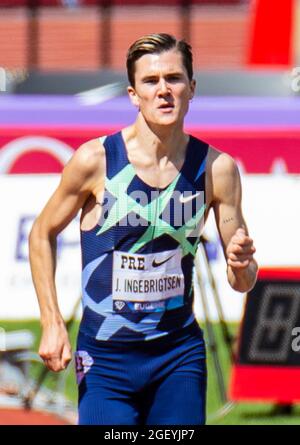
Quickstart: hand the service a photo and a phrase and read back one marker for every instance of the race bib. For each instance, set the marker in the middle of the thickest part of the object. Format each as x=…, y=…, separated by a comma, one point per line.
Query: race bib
x=147, y=282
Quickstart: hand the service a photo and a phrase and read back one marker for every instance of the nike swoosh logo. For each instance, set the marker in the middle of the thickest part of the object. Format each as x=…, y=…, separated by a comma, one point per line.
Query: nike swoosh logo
x=155, y=264
x=184, y=199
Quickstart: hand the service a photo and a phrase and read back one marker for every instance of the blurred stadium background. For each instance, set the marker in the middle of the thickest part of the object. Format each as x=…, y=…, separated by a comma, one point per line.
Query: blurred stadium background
x=62, y=82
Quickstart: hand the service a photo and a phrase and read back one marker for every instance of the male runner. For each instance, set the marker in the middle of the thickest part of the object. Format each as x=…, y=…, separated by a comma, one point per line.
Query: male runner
x=145, y=193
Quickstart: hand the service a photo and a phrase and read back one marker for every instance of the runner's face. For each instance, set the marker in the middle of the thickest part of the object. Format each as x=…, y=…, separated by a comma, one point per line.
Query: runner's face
x=162, y=88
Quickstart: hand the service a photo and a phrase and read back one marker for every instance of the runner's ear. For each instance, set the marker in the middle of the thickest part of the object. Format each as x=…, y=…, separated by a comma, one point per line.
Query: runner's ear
x=193, y=88
x=133, y=96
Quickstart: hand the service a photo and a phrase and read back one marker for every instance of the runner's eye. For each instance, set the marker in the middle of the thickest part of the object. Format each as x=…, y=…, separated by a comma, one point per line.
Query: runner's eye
x=173, y=78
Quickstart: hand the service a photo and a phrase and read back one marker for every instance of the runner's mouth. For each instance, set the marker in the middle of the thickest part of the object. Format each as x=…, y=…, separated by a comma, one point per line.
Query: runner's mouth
x=166, y=106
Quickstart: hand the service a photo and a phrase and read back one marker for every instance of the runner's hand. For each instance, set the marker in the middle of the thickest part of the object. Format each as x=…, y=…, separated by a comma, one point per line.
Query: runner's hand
x=55, y=348
x=240, y=250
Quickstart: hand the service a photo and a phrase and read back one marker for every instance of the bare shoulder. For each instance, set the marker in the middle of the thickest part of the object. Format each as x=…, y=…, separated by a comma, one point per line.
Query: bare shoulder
x=221, y=163
x=223, y=173
x=86, y=166
x=88, y=156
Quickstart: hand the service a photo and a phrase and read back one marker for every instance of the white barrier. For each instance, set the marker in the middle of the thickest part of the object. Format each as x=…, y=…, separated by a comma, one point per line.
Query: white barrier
x=22, y=197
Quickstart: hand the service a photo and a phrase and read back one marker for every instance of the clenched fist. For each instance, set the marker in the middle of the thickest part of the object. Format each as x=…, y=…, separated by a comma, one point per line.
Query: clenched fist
x=55, y=348
x=240, y=250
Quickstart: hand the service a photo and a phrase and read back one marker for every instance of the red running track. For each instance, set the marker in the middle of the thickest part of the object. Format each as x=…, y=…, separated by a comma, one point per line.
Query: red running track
x=13, y=416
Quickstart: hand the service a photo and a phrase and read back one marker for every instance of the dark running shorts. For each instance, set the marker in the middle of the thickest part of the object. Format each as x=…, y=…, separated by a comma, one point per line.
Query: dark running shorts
x=159, y=382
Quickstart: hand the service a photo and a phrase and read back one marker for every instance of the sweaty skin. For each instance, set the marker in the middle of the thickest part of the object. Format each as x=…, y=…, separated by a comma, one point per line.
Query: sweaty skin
x=156, y=146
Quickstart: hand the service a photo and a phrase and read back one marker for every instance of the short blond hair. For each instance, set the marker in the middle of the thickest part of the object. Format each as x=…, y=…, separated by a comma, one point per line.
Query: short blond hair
x=155, y=44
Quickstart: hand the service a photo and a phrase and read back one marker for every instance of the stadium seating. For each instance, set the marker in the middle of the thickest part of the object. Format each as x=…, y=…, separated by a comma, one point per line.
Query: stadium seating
x=16, y=3
x=76, y=40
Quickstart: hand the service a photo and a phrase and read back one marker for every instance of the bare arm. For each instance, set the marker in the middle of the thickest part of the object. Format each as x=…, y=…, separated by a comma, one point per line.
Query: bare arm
x=226, y=202
x=80, y=178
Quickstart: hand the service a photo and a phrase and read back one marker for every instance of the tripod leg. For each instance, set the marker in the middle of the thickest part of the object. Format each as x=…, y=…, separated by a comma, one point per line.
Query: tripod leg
x=212, y=344
x=228, y=339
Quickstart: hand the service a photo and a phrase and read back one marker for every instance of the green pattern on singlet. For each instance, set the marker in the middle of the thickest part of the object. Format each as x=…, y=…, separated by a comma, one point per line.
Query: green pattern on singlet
x=125, y=204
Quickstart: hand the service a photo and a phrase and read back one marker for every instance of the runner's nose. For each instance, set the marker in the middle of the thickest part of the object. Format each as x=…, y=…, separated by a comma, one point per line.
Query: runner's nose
x=163, y=88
